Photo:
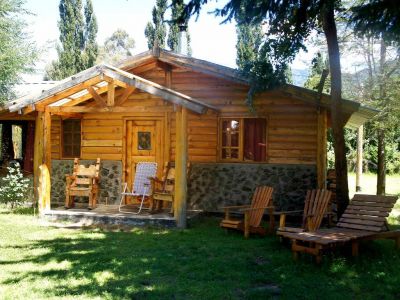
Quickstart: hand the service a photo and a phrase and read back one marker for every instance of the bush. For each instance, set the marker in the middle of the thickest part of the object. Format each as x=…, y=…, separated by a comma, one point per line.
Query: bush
x=14, y=187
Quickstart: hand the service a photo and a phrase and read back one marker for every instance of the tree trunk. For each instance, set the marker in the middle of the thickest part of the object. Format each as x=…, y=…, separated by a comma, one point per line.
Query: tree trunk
x=338, y=121
x=381, y=180
x=7, y=148
x=359, y=163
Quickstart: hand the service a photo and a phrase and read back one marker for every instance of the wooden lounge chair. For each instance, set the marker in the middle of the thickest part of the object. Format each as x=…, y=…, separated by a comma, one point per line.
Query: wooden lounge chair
x=363, y=219
x=84, y=182
x=315, y=208
x=253, y=213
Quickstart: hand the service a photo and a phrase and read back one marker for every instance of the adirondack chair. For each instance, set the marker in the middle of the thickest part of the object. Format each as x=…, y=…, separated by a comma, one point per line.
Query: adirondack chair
x=141, y=186
x=315, y=208
x=163, y=189
x=363, y=219
x=84, y=182
x=253, y=213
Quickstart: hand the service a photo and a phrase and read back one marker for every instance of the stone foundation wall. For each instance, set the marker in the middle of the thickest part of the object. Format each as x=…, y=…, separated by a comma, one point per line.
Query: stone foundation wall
x=214, y=185
x=110, y=179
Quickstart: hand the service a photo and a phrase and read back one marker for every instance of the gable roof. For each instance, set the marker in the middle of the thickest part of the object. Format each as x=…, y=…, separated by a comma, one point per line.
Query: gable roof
x=74, y=87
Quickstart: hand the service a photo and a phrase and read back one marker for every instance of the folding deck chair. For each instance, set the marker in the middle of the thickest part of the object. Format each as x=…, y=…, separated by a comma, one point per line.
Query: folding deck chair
x=141, y=186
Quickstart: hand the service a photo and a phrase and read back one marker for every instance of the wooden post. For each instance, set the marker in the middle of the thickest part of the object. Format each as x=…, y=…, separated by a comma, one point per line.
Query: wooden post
x=111, y=94
x=321, y=148
x=44, y=189
x=181, y=167
x=47, y=138
x=38, y=150
x=359, y=164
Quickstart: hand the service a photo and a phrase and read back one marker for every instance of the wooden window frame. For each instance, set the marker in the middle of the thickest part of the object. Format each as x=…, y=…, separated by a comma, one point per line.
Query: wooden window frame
x=63, y=156
x=240, y=159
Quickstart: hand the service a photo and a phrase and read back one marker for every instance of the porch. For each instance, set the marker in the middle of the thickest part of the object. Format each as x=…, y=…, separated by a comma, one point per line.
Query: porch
x=109, y=215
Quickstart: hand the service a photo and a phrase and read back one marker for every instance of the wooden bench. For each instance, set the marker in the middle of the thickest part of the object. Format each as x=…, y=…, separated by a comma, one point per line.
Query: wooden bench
x=363, y=219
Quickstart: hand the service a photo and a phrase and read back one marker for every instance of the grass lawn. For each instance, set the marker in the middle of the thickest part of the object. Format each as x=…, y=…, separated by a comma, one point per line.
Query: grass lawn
x=203, y=262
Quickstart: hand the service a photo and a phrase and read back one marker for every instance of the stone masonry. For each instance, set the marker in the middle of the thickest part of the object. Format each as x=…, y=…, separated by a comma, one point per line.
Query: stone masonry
x=110, y=179
x=212, y=186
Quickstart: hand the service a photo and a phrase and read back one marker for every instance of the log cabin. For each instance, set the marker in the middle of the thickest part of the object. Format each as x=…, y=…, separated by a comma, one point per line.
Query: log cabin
x=162, y=106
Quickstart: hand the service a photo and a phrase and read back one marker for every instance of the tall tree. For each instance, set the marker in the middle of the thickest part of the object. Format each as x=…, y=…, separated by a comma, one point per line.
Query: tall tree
x=91, y=49
x=289, y=24
x=116, y=48
x=17, y=51
x=318, y=65
x=249, y=40
x=380, y=19
x=173, y=35
x=157, y=30
x=77, y=50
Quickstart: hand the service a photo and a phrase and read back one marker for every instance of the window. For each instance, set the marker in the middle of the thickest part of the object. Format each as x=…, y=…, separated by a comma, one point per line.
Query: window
x=71, y=138
x=243, y=139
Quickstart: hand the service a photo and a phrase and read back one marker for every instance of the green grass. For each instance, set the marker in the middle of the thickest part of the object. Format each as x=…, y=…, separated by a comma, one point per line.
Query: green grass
x=203, y=262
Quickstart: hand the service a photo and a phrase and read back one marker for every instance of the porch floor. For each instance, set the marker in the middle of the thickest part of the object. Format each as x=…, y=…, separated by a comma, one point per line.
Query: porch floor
x=109, y=215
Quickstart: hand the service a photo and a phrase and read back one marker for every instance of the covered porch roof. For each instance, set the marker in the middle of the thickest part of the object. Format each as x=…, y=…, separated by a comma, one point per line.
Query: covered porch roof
x=70, y=94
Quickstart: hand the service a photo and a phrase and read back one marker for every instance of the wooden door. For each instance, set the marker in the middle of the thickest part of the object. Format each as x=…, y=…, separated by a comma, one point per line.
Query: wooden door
x=144, y=143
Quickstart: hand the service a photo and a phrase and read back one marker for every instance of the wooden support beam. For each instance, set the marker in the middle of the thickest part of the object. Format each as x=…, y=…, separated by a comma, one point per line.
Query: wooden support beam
x=117, y=109
x=47, y=138
x=322, y=147
x=44, y=188
x=181, y=157
x=96, y=96
x=38, y=150
x=128, y=91
x=359, y=164
x=111, y=94
x=86, y=97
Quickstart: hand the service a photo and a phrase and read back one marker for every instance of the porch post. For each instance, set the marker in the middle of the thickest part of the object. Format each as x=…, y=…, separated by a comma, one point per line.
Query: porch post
x=42, y=159
x=322, y=125
x=181, y=167
x=38, y=150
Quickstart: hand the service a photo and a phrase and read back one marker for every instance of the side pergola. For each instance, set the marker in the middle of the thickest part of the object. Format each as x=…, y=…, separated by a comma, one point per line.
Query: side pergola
x=103, y=88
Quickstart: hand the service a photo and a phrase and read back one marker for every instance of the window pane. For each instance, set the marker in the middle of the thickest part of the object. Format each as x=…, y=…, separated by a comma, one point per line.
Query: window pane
x=144, y=140
x=230, y=153
x=71, y=138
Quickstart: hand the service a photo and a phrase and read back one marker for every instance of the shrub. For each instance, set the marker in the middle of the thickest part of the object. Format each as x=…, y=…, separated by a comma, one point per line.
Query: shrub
x=13, y=187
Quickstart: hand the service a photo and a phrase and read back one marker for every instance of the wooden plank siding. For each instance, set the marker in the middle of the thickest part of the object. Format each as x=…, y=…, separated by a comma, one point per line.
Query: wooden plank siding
x=291, y=124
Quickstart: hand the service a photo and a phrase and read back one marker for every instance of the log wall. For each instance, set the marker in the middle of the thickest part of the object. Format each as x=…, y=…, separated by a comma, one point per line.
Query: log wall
x=291, y=124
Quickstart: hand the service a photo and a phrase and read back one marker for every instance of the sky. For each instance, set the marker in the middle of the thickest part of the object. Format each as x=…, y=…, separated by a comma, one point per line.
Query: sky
x=210, y=40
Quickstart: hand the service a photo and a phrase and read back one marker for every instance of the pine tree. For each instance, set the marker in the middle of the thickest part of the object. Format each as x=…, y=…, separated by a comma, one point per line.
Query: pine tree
x=157, y=30
x=249, y=40
x=91, y=47
x=77, y=50
x=173, y=35
x=116, y=48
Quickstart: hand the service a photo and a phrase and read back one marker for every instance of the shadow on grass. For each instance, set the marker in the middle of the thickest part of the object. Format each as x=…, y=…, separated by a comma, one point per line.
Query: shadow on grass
x=202, y=262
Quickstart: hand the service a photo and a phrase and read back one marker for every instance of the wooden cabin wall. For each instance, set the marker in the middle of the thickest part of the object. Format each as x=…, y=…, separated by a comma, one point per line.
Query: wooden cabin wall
x=291, y=124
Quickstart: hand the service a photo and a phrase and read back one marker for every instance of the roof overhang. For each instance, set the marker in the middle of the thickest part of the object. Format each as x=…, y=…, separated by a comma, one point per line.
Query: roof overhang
x=81, y=87
x=358, y=113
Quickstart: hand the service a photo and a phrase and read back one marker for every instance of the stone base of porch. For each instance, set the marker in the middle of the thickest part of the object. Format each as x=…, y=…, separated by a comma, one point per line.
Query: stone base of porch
x=109, y=215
